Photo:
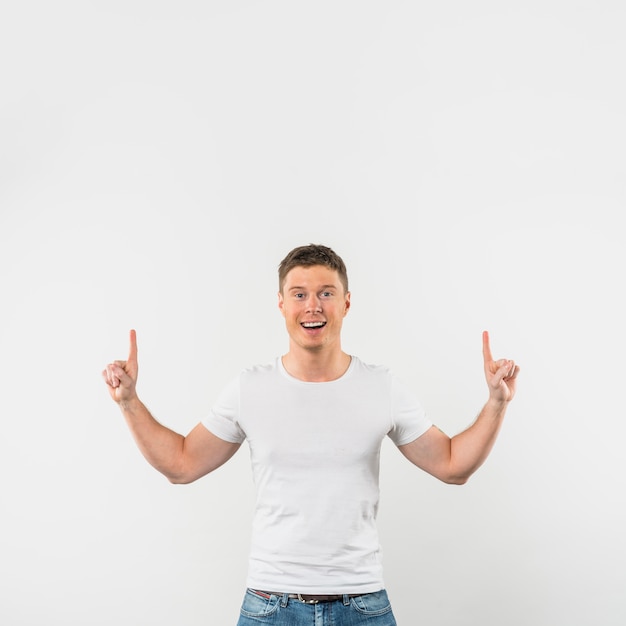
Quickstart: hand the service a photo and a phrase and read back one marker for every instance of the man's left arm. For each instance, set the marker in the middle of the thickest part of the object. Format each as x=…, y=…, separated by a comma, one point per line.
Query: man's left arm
x=454, y=460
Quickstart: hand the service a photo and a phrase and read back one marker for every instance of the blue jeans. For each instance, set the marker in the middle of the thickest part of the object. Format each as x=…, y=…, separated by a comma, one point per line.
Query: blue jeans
x=372, y=609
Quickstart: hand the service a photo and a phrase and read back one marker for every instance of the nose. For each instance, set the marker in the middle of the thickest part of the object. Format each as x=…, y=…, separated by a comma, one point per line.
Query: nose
x=313, y=304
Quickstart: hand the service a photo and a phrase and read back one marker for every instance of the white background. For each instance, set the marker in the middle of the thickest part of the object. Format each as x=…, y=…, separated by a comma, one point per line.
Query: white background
x=158, y=160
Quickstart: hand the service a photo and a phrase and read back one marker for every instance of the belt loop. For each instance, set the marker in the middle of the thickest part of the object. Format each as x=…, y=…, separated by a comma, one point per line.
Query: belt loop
x=284, y=600
x=346, y=599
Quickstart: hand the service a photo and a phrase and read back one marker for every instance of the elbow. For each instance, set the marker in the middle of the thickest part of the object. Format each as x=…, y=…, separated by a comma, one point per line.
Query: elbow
x=180, y=478
x=455, y=478
x=450, y=475
x=184, y=476
x=177, y=472
x=176, y=475
x=458, y=474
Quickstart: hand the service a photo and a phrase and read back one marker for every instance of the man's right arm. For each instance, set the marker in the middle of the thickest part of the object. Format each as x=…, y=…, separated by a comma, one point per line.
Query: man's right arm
x=181, y=459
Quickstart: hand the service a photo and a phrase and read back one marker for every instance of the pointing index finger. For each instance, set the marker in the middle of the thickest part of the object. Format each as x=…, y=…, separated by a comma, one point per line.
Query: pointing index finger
x=132, y=354
x=486, y=348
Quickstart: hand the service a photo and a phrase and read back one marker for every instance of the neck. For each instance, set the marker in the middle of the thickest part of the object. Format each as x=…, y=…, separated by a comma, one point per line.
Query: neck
x=316, y=367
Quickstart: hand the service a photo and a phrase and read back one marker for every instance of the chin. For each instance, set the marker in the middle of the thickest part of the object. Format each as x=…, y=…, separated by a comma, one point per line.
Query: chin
x=313, y=346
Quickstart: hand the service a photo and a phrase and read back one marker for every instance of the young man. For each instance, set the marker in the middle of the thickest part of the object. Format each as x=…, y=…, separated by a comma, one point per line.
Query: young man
x=315, y=420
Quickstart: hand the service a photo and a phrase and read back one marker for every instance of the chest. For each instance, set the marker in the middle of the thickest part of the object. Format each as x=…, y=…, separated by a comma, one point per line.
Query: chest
x=304, y=426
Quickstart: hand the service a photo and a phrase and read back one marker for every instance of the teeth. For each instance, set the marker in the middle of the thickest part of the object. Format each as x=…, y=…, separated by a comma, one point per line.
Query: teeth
x=312, y=324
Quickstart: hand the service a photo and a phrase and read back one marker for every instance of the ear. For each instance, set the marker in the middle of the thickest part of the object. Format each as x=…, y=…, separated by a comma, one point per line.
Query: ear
x=281, y=303
x=346, y=304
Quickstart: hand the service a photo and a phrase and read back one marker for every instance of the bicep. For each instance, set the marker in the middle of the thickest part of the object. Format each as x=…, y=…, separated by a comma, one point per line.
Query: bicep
x=430, y=452
x=204, y=452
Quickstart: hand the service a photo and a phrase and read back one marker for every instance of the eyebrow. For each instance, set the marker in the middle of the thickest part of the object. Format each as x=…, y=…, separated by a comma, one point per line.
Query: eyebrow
x=296, y=288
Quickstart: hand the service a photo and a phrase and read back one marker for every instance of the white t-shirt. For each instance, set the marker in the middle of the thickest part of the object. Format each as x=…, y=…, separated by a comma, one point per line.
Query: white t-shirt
x=315, y=451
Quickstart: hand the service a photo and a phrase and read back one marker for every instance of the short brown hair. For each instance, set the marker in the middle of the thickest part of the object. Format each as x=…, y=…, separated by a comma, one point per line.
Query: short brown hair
x=313, y=254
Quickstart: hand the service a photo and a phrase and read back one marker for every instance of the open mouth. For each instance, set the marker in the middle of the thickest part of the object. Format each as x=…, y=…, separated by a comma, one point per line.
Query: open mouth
x=313, y=325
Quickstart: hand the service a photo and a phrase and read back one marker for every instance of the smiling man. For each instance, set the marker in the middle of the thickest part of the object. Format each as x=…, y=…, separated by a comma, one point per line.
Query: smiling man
x=314, y=299
x=314, y=420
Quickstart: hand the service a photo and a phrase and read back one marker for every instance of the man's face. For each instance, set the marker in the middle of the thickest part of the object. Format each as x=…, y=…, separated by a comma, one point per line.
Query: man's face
x=313, y=303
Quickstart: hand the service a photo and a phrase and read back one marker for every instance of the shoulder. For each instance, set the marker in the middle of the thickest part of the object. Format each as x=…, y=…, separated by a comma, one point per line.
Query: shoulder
x=369, y=373
x=375, y=375
x=251, y=377
x=373, y=369
x=252, y=372
x=261, y=368
x=260, y=371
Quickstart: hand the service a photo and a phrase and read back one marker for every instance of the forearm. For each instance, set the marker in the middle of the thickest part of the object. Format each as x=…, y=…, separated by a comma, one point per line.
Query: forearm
x=162, y=447
x=470, y=448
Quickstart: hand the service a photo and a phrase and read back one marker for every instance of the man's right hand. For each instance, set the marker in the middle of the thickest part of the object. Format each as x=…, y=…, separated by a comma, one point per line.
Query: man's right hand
x=121, y=376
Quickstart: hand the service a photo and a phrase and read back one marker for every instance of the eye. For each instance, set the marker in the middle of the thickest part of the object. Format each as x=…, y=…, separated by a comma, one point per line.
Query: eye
x=327, y=294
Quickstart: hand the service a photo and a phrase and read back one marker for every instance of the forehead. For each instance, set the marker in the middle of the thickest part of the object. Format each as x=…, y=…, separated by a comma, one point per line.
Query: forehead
x=311, y=276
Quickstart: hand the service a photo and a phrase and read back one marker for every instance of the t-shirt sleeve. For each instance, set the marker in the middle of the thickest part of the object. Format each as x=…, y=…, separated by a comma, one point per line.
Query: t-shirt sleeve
x=222, y=418
x=409, y=419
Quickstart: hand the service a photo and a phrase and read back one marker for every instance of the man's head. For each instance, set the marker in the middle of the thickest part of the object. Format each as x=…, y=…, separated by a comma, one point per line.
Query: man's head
x=307, y=256
x=313, y=297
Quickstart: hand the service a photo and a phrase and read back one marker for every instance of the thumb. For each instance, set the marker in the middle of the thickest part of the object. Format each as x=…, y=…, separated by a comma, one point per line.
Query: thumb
x=118, y=376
